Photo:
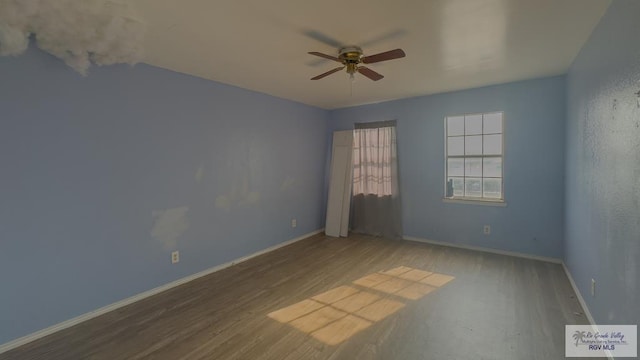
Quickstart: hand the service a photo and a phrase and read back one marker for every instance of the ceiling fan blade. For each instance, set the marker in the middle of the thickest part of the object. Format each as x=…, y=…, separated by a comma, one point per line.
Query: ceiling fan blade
x=384, y=56
x=323, y=38
x=327, y=73
x=393, y=34
x=325, y=56
x=369, y=73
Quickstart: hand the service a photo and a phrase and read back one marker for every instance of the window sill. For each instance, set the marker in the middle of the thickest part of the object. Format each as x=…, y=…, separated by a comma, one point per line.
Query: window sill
x=500, y=203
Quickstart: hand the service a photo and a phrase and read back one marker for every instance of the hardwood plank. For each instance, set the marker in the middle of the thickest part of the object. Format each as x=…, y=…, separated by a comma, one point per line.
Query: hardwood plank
x=372, y=299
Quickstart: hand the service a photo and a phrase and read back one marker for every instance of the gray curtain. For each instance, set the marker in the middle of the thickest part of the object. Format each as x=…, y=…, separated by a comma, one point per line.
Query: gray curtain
x=376, y=202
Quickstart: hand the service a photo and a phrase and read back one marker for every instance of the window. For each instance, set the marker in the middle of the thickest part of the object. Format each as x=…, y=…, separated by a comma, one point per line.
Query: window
x=474, y=154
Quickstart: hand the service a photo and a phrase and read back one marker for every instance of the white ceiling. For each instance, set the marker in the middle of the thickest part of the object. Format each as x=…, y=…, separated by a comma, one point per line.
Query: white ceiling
x=262, y=45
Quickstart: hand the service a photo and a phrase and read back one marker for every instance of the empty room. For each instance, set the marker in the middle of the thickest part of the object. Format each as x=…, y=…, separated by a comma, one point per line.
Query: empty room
x=406, y=180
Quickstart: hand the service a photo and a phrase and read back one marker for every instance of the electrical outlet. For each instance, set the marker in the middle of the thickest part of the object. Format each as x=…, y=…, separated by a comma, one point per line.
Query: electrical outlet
x=175, y=257
x=294, y=223
x=593, y=287
x=487, y=229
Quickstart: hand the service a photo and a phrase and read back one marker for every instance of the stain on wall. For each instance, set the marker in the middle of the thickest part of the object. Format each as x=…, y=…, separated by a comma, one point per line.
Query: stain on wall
x=239, y=195
x=288, y=183
x=199, y=174
x=169, y=225
x=248, y=156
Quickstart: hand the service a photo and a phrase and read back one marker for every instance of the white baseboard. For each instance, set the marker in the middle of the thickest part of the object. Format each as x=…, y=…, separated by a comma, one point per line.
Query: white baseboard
x=587, y=313
x=103, y=310
x=578, y=295
x=488, y=250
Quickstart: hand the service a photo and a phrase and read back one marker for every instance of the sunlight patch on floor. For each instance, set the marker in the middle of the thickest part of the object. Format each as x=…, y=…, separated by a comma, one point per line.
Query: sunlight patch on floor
x=336, y=315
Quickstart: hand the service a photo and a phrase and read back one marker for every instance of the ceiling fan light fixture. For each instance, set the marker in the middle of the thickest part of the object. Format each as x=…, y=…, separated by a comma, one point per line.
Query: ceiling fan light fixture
x=352, y=68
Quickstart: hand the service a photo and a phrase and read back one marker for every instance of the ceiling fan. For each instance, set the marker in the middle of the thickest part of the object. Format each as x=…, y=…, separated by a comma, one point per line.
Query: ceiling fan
x=351, y=57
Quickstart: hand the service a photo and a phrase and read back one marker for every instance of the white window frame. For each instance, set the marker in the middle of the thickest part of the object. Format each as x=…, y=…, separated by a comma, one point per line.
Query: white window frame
x=474, y=200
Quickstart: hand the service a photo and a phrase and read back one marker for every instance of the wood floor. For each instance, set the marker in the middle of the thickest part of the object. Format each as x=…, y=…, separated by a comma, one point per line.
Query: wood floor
x=327, y=298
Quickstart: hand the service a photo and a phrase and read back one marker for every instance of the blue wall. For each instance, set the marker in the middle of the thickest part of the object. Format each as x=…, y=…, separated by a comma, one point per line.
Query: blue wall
x=86, y=163
x=534, y=111
x=603, y=167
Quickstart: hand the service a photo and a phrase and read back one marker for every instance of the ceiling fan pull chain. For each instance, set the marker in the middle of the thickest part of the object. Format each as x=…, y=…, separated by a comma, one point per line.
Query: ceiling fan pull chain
x=351, y=82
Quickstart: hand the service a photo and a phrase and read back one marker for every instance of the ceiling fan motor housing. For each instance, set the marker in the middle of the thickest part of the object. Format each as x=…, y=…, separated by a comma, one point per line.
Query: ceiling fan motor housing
x=350, y=56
